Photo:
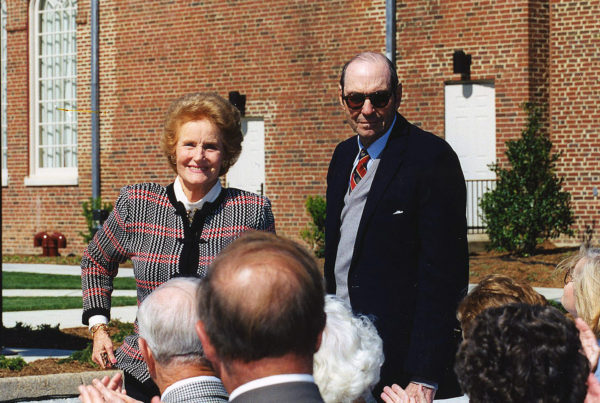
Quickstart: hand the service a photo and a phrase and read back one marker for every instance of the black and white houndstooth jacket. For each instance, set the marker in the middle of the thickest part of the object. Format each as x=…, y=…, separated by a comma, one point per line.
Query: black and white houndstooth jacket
x=201, y=389
x=150, y=227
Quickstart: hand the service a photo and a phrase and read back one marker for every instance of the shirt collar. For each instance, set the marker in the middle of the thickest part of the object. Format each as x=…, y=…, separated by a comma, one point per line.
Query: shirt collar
x=210, y=197
x=378, y=145
x=187, y=381
x=268, y=381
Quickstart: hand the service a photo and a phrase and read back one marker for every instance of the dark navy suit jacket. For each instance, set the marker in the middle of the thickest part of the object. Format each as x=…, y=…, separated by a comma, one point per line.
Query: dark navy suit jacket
x=409, y=266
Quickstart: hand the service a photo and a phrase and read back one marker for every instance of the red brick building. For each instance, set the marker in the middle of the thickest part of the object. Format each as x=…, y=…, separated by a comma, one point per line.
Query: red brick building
x=285, y=56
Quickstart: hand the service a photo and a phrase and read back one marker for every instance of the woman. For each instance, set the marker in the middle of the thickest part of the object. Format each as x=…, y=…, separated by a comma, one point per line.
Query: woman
x=347, y=364
x=581, y=294
x=170, y=231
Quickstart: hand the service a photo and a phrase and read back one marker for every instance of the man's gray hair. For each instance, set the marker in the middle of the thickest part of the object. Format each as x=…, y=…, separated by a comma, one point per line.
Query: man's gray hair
x=167, y=321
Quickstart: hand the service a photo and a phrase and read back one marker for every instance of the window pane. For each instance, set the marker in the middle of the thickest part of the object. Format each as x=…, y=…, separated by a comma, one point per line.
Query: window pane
x=57, y=84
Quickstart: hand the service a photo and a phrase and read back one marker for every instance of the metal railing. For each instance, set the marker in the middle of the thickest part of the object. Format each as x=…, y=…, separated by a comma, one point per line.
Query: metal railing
x=475, y=190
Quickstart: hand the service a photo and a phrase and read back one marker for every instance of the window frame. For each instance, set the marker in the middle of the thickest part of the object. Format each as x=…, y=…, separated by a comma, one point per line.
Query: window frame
x=38, y=176
x=3, y=94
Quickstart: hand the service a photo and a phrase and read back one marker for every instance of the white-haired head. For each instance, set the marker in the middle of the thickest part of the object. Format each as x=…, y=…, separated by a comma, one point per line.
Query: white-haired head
x=348, y=363
x=167, y=320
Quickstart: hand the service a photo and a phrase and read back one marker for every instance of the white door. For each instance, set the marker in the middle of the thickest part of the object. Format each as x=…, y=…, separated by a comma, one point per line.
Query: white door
x=248, y=173
x=471, y=131
x=471, y=127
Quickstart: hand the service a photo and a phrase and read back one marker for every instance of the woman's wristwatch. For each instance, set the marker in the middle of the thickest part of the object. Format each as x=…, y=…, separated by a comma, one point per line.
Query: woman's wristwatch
x=97, y=327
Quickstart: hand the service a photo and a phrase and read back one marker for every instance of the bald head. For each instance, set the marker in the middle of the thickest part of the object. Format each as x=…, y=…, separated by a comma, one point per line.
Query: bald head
x=376, y=59
x=263, y=297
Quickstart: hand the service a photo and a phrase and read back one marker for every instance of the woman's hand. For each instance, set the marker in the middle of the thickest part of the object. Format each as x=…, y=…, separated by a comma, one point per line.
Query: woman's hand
x=589, y=343
x=102, y=353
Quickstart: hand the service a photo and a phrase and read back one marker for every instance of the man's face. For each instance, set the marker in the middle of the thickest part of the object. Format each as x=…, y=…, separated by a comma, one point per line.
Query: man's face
x=366, y=77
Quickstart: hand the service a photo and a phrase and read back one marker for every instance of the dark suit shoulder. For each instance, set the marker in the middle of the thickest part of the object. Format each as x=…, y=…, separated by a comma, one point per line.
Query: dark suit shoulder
x=421, y=144
x=348, y=145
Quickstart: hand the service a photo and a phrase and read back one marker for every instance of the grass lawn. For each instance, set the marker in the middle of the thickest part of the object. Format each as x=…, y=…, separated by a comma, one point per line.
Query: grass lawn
x=11, y=304
x=17, y=280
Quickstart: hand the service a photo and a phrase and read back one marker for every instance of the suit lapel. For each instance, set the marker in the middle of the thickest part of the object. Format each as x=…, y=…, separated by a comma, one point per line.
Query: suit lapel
x=390, y=161
x=342, y=177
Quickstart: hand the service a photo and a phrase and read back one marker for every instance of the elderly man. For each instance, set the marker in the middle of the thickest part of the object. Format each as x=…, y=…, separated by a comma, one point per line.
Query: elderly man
x=261, y=319
x=395, y=245
x=168, y=341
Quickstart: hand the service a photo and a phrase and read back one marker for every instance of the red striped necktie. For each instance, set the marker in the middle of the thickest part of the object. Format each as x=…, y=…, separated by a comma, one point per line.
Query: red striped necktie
x=361, y=168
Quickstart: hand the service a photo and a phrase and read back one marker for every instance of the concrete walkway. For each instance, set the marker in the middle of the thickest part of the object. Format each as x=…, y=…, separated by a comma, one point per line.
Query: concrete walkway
x=62, y=317
x=55, y=269
x=32, y=292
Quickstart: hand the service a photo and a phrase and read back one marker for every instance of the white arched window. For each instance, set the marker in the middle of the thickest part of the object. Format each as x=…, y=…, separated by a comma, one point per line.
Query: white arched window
x=3, y=94
x=53, y=145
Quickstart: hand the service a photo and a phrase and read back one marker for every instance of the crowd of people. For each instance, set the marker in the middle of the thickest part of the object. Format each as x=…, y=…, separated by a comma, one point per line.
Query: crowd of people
x=229, y=311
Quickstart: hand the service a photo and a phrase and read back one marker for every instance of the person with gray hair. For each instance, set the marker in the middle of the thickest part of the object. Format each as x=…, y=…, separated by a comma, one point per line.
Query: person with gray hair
x=171, y=348
x=347, y=365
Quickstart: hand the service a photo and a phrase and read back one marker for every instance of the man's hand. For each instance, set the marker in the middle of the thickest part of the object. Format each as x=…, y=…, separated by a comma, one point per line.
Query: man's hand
x=422, y=394
x=589, y=343
x=97, y=392
x=395, y=394
x=115, y=383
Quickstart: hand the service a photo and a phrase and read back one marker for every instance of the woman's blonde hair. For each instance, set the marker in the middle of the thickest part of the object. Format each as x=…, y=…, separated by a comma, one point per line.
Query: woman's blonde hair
x=586, y=285
x=209, y=106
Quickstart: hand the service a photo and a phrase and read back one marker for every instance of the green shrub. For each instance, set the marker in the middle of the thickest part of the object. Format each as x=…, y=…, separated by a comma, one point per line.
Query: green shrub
x=13, y=363
x=83, y=356
x=315, y=233
x=528, y=205
x=88, y=213
x=557, y=305
x=124, y=329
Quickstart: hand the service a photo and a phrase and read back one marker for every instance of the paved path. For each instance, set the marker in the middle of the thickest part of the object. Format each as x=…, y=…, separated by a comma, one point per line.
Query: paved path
x=32, y=292
x=55, y=269
x=62, y=317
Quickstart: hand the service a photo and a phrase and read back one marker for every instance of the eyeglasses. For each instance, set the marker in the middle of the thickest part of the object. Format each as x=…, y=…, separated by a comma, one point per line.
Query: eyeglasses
x=356, y=100
x=568, y=276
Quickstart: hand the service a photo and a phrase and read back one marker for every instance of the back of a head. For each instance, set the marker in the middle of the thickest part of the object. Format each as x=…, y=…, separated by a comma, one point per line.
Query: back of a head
x=522, y=353
x=348, y=363
x=167, y=321
x=263, y=297
x=494, y=291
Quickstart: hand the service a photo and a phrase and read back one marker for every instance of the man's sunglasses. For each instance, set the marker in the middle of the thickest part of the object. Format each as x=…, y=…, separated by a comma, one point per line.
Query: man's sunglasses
x=356, y=100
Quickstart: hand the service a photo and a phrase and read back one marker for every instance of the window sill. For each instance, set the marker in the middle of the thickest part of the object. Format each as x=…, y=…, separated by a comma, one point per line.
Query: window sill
x=52, y=180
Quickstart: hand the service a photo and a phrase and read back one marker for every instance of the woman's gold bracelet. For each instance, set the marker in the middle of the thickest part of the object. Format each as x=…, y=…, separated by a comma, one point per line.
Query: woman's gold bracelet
x=97, y=327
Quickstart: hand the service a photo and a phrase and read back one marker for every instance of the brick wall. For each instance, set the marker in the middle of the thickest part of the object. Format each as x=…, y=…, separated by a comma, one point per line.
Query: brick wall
x=286, y=58
x=28, y=210
x=574, y=103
